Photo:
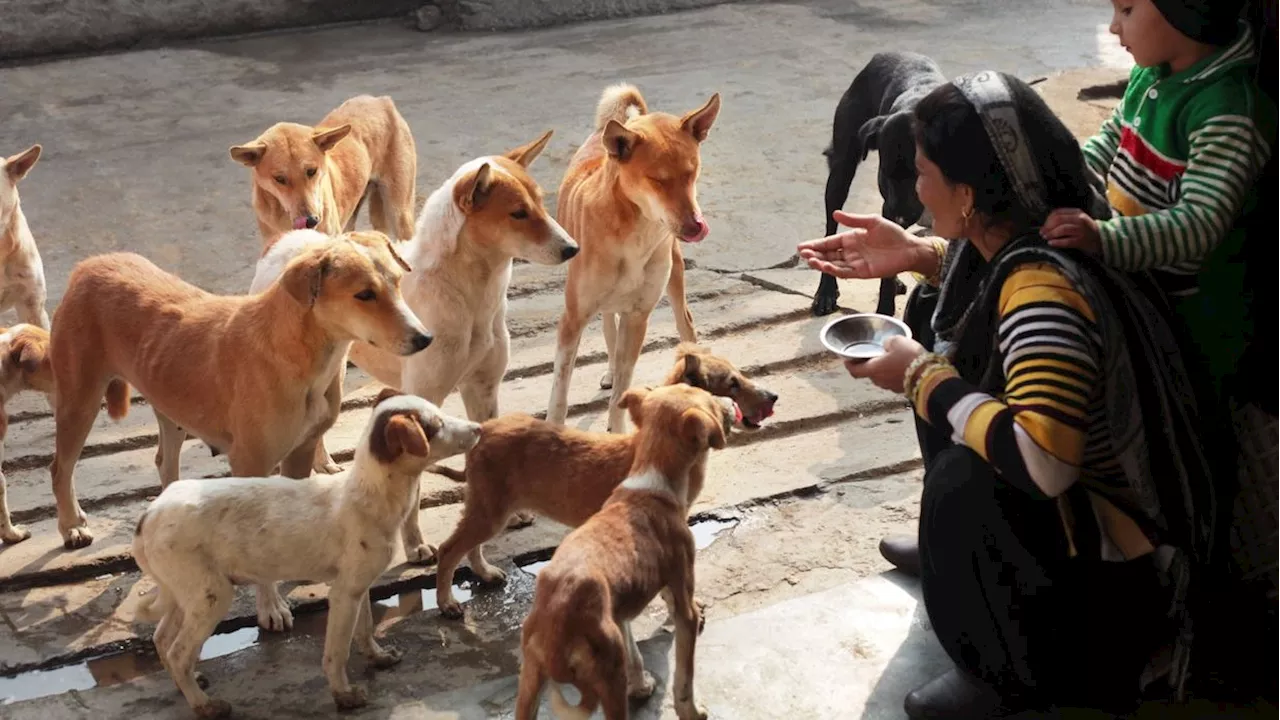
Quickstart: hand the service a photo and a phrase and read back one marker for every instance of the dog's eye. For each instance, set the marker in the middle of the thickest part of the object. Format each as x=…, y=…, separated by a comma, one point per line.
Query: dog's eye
x=282, y=180
x=365, y=295
x=520, y=214
x=311, y=172
x=734, y=385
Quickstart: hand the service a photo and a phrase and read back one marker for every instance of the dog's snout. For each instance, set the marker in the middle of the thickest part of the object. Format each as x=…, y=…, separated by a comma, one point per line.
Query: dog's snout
x=421, y=341
x=770, y=397
x=569, y=252
x=313, y=221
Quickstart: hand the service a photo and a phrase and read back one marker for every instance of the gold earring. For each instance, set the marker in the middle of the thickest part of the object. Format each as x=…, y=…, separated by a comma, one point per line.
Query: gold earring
x=967, y=215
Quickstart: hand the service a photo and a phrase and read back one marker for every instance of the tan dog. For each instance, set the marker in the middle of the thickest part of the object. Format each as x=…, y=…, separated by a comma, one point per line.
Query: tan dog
x=24, y=365
x=471, y=229
x=318, y=177
x=200, y=538
x=563, y=473
x=22, y=280
x=251, y=375
x=607, y=571
x=630, y=198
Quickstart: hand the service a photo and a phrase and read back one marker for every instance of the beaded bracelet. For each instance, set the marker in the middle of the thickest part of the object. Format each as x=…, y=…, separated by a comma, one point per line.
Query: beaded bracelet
x=908, y=378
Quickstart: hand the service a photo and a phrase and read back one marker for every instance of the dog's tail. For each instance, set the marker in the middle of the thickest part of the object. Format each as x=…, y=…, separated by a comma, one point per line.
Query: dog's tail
x=117, y=399
x=619, y=102
x=454, y=475
x=159, y=601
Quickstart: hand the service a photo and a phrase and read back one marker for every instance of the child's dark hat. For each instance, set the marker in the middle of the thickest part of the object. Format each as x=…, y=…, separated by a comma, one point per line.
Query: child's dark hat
x=1213, y=22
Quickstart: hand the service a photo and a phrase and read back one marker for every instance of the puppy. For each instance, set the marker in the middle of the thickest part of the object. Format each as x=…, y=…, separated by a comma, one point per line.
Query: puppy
x=200, y=538
x=564, y=473
x=470, y=231
x=252, y=376
x=24, y=365
x=22, y=282
x=318, y=177
x=607, y=571
x=875, y=114
x=629, y=197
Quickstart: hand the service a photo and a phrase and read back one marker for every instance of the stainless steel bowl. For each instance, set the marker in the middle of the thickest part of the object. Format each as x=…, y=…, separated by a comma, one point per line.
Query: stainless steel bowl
x=861, y=336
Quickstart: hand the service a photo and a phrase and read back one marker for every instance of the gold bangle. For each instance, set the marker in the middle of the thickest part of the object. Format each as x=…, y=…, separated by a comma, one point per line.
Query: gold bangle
x=908, y=377
x=940, y=249
x=924, y=377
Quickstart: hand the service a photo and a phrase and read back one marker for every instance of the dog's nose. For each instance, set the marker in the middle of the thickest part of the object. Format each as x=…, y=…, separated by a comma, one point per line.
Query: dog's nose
x=313, y=221
x=771, y=397
x=569, y=252
x=421, y=341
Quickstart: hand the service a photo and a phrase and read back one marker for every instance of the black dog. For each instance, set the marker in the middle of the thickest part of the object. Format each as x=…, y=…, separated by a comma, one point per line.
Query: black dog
x=875, y=114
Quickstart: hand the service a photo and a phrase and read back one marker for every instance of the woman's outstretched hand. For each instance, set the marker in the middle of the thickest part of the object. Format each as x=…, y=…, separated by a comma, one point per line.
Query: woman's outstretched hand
x=887, y=370
x=873, y=248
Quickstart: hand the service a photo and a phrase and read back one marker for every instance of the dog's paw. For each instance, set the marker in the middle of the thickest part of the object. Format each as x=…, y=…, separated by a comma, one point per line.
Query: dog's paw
x=519, y=520
x=450, y=609
x=215, y=709
x=328, y=468
x=385, y=658
x=825, y=303
x=14, y=534
x=606, y=380
x=274, y=614
x=490, y=575
x=691, y=711
x=644, y=690
x=350, y=699
x=423, y=554
x=77, y=538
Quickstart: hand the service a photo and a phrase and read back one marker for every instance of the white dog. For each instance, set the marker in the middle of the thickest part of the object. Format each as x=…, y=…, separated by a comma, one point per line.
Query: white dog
x=22, y=281
x=200, y=538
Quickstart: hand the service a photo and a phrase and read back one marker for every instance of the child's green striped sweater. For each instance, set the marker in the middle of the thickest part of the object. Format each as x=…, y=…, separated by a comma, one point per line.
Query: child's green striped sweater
x=1180, y=154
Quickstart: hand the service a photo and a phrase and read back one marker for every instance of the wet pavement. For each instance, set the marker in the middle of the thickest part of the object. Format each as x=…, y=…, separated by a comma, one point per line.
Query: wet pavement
x=135, y=158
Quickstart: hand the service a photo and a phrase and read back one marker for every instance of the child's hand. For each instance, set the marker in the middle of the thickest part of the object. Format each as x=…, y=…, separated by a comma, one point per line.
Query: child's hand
x=1072, y=228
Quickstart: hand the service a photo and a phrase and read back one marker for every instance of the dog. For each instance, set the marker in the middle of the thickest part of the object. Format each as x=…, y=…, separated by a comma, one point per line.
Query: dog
x=564, y=473
x=24, y=365
x=200, y=538
x=629, y=197
x=22, y=285
x=318, y=177
x=604, y=573
x=252, y=376
x=875, y=113
x=488, y=213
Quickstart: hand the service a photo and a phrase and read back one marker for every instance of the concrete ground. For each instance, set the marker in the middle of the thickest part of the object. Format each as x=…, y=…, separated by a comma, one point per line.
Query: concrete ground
x=800, y=622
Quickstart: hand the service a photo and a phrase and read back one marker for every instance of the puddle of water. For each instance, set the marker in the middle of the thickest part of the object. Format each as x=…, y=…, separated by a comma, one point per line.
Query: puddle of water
x=120, y=668
x=705, y=532
x=534, y=568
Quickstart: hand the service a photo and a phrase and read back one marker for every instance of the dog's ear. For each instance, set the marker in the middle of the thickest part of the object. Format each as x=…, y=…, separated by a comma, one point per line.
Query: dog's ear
x=698, y=123
x=326, y=138
x=700, y=430
x=17, y=166
x=304, y=277
x=693, y=370
x=473, y=189
x=618, y=141
x=395, y=434
x=633, y=397
x=385, y=394
x=525, y=154
x=869, y=133
x=27, y=355
x=249, y=154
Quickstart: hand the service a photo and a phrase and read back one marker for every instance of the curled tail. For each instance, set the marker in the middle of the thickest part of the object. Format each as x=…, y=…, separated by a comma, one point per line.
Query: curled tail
x=454, y=475
x=619, y=102
x=117, y=399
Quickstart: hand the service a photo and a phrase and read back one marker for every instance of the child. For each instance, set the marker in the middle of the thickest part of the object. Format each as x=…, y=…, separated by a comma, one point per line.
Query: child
x=1181, y=155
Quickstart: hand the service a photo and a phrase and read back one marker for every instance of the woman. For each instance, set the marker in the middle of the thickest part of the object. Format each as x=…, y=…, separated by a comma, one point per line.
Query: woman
x=1063, y=486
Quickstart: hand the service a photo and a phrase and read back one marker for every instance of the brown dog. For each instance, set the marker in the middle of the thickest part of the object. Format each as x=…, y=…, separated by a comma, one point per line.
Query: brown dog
x=629, y=198
x=317, y=177
x=24, y=365
x=607, y=571
x=564, y=473
x=249, y=375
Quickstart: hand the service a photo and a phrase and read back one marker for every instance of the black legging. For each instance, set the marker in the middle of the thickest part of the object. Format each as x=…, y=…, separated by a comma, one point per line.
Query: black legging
x=1007, y=602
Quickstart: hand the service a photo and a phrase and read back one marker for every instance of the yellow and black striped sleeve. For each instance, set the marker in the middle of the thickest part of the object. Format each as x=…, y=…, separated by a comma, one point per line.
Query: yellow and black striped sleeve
x=1034, y=434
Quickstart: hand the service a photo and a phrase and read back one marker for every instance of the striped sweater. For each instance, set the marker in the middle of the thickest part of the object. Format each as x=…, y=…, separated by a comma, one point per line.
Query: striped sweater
x=1048, y=428
x=1180, y=156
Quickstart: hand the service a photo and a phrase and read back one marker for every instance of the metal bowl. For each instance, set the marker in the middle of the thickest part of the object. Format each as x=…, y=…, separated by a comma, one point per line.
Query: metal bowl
x=861, y=336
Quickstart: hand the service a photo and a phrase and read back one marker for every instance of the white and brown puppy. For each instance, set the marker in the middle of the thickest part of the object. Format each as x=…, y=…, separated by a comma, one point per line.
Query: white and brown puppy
x=24, y=365
x=252, y=376
x=200, y=538
x=22, y=280
x=607, y=571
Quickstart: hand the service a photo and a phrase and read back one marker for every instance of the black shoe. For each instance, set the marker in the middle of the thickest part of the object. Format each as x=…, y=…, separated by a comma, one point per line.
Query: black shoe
x=903, y=551
x=954, y=695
